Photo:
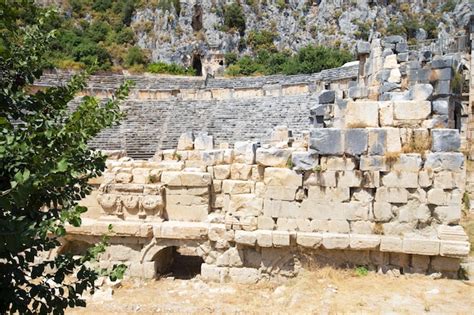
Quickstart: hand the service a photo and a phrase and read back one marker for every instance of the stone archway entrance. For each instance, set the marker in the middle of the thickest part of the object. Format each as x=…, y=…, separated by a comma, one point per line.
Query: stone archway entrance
x=180, y=263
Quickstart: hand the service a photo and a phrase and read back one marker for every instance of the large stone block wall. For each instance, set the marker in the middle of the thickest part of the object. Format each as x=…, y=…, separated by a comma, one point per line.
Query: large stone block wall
x=253, y=211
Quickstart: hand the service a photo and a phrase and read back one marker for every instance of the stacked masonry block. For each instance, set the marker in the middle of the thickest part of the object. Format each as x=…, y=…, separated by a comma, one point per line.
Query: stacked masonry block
x=336, y=190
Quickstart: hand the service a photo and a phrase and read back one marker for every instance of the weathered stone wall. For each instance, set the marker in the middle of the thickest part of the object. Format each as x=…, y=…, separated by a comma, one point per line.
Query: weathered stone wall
x=375, y=177
x=253, y=212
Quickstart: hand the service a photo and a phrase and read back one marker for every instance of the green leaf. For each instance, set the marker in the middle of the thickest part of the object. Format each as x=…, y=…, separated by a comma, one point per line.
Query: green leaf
x=62, y=165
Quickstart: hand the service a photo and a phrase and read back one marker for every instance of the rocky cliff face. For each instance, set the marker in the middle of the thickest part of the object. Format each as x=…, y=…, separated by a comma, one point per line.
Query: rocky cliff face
x=172, y=36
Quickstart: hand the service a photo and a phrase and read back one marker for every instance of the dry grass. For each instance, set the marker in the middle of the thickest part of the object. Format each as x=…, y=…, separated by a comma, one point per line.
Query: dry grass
x=321, y=290
x=392, y=157
x=417, y=145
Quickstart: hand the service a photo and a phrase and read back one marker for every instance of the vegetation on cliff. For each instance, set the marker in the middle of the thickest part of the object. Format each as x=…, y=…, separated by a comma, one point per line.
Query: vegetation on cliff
x=309, y=59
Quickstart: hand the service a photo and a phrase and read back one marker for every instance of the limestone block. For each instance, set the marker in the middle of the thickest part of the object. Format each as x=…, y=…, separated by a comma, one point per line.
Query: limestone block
x=213, y=273
x=123, y=178
x=441, y=107
x=377, y=141
x=448, y=214
x=169, y=155
x=425, y=178
x=437, y=196
x=371, y=179
x=247, y=203
x=335, y=241
x=455, y=197
x=338, y=226
x=454, y=248
x=445, y=140
x=216, y=232
x=327, y=141
x=264, y=238
x=362, y=227
x=245, y=151
x=304, y=225
x=364, y=241
x=395, y=76
x=413, y=211
x=310, y=240
x=212, y=157
x=178, y=212
x=326, y=178
x=391, y=244
x=257, y=172
x=186, y=141
x=421, y=92
x=280, y=134
x=281, y=177
x=356, y=210
x=444, y=180
x=231, y=257
x=445, y=264
x=349, y=178
x=385, y=114
x=394, y=144
x=191, y=179
x=260, y=189
x=337, y=194
x=221, y=171
x=393, y=195
x=410, y=162
x=273, y=157
x=373, y=163
x=326, y=97
x=449, y=161
x=141, y=175
x=194, y=191
x=235, y=187
x=286, y=224
x=452, y=233
x=319, y=225
x=362, y=114
x=187, y=200
x=183, y=230
x=245, y=238
x=421, y=246
x=280, y=192
x=170, y=165
x=336, y=163
x=411, y=110
x=355, y=141
x=304, y=161
x=400, y=179
x=390, y=62
x=203, y=141
x=244, y=275
x=240, y=171
x=280, y=238
x=382, y=211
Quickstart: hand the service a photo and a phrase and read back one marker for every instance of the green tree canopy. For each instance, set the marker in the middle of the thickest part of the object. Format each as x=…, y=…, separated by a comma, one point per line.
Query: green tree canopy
x=45, y=166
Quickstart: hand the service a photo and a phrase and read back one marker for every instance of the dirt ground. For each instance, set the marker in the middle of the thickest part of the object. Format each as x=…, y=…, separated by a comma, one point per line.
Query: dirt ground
x=323, y=291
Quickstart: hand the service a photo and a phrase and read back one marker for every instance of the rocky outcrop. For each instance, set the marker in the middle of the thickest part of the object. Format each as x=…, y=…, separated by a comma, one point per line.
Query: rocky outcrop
x=172, y=36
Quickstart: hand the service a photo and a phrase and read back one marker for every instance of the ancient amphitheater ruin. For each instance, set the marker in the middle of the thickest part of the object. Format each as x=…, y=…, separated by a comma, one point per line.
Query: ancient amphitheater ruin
x=367, y=164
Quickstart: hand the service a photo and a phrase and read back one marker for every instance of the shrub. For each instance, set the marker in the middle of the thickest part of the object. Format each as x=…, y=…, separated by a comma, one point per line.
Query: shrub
x=230, y=58
x=234, y=17
x=309, y=59
x=135, y=56
x=125, y=36
x=101, y=5
x=92, y=55
x=170, y=68
x=448, y=6
x=261, y=40
x=361, y=271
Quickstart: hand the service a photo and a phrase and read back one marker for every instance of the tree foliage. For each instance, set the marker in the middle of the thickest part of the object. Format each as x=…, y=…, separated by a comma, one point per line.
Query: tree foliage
x=45, y=166
x=234, y=17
